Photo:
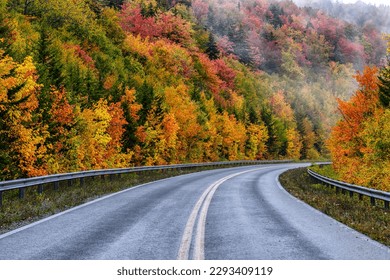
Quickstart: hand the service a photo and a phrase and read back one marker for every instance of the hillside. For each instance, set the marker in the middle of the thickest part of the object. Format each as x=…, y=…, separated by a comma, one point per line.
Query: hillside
x=99, y=84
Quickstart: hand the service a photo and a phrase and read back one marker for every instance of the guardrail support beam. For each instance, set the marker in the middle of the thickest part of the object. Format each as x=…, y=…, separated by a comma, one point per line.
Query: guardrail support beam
x=22, y=192
x=360, y=190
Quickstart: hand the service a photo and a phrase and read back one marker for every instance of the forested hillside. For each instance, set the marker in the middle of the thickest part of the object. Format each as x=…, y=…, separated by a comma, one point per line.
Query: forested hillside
x=94, y=84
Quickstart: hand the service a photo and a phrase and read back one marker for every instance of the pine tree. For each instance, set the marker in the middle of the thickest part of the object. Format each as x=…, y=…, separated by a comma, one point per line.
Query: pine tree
x=145, y=96
x=212, y=50
x=384, y=86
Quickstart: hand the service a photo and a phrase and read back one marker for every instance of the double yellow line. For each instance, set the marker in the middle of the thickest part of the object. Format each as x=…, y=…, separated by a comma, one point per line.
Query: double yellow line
x=200, y=211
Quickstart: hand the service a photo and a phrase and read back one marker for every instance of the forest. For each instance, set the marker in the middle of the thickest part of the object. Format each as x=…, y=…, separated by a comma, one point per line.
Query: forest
x=93, y=84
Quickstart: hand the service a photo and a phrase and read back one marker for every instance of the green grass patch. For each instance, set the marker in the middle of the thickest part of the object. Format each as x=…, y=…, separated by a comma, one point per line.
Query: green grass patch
x=325, y=170
x=373, y=221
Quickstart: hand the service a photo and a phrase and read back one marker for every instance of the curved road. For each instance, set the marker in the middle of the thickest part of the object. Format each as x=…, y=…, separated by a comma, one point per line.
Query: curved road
x=234, y=213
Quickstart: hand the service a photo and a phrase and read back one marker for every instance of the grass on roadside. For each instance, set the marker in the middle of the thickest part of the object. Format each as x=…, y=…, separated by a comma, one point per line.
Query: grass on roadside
x=373, y=221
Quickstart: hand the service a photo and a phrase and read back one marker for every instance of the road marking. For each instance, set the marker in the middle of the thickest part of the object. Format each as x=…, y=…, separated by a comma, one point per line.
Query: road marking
x=200, y=210
x=12, y=232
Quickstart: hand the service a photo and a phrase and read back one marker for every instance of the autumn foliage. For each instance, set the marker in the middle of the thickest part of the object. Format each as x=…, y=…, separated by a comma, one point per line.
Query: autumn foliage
x=18, y=107
x=89, y=85
x=359, y=143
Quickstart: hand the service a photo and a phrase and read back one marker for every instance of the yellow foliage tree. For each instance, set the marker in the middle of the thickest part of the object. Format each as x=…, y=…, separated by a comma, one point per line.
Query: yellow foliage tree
x=184, y=111
x=99, y=132
x=294, y=144
x=257, y=136
x=376, y=152
x=233, y=135
x=24, y=136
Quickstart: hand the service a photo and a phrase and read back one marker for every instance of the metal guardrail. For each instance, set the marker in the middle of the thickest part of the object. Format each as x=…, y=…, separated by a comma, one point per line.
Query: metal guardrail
x=22, y=184
x=361, y=191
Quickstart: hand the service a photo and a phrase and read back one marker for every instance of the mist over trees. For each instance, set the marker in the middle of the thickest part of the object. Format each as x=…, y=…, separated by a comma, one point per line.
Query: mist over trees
x=101, y=84
x=276, y=36
x=362, y=14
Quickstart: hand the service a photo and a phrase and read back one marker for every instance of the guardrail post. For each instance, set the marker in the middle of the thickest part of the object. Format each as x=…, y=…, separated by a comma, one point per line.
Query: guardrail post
x=81, y=181
x=1, y=198
x=350, y=193
x=360, y=196
x=70, y=182
x=372, y=200
x=22, y=192
x=111, y=177
x=386, y=205
x=40, y=188
x=337, y=189
x=56, y=185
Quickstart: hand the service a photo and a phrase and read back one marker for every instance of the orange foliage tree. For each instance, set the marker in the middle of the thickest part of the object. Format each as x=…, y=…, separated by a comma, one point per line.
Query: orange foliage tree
x=61, y=157
x=359, y=142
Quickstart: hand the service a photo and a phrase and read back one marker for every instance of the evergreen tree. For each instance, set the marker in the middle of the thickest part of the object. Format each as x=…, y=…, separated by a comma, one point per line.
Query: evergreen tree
x=145, y=96
x=115, y=3
x=384, y=87
x=48, y=61
x=274, y=16
x=212, y=50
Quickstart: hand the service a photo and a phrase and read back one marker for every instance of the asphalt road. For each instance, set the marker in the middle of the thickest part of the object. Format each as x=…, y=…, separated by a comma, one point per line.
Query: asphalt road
x=235, y=213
